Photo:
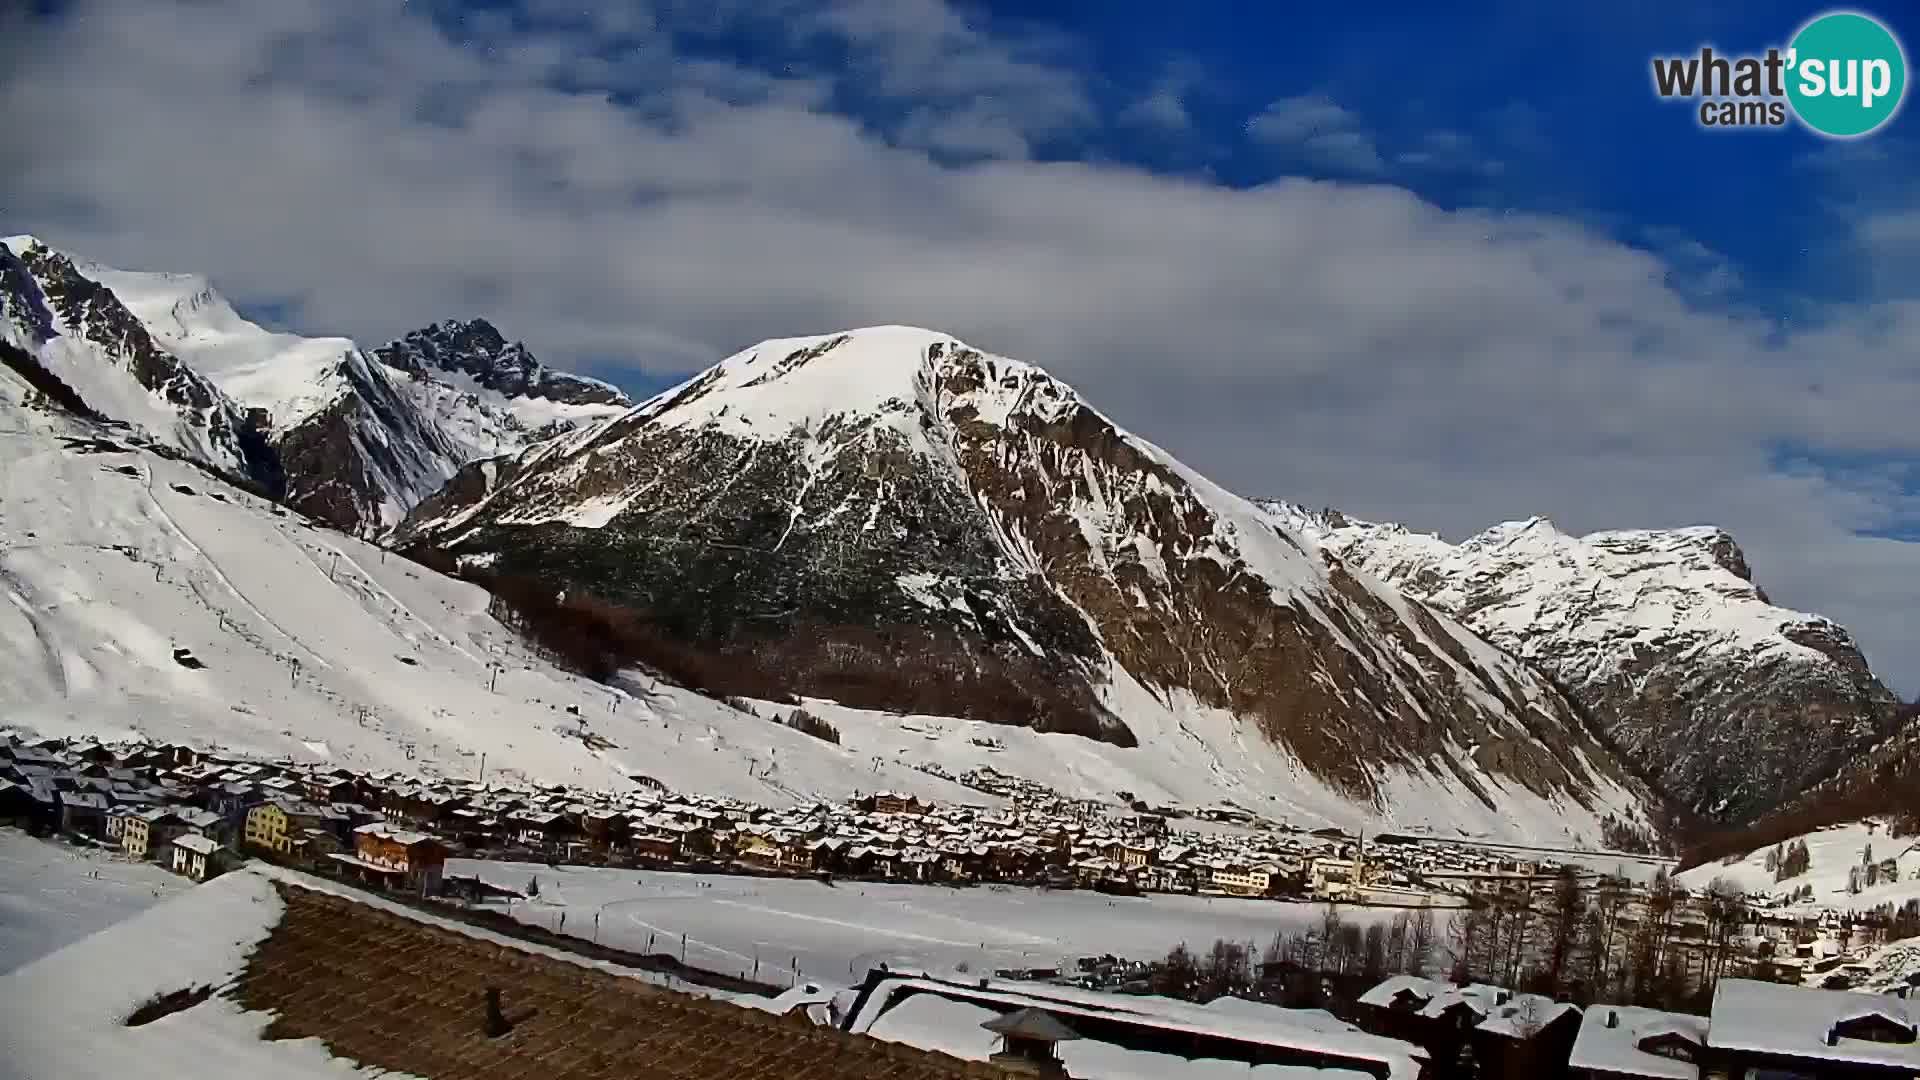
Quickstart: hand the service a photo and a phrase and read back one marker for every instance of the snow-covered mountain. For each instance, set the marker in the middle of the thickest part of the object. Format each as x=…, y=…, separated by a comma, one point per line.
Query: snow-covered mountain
x=890, y=517
x=1732, y=703
x=361, y=436
x=141, y=595
x=79, y=332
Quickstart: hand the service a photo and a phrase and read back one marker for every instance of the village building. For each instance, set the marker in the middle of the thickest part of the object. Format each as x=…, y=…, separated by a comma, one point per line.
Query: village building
x=1525, y=1037
x=291, y=827
x=1761, y=1029
x=145, y=834
x=888, y=802
x=1620, y=1042
x=1241, y=879
x=195, y=856
x=1141, y=1036
x=394, y=858
x=84, y=813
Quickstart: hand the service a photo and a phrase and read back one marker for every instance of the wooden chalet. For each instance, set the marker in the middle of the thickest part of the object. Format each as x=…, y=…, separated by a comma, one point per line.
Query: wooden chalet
x=394, y=858
x=1619, y=1042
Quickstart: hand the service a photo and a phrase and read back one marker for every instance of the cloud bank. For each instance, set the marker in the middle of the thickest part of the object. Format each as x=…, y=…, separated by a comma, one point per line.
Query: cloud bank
x=627, y=197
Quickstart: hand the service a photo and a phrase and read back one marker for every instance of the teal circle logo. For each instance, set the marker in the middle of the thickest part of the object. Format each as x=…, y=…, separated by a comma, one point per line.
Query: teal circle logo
x=1847, y=74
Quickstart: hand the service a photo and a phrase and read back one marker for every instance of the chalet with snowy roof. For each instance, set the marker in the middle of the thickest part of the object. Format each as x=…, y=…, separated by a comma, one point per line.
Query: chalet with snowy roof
x=195, y=856
x=394, y=858
x=892, y=802
x=1436, y=1015
x=84, y=813
x=1761, y=1030
x=1525, y=1037
x=1619, y=1042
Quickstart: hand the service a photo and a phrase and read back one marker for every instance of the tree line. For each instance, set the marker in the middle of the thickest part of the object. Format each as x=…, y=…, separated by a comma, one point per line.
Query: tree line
x=1606, y=941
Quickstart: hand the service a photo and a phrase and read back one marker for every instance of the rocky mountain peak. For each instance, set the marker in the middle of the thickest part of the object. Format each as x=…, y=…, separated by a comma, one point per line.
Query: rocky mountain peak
x=475, y=349
x=891, y=517
x=1663, y=636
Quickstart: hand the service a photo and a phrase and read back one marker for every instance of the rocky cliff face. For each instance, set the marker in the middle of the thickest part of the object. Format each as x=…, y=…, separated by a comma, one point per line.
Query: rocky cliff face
x=807, y=493
x=1732, y=704
x=475, y=349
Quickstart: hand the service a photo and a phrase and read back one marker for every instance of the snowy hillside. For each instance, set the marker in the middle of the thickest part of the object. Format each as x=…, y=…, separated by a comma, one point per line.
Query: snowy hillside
x=360, y=436
x=805, y=507
x=1733, y=703
x=1836, y=859
x=142, y=596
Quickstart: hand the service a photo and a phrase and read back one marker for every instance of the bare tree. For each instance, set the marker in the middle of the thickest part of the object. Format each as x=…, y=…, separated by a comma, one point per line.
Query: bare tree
x=1419, y=951
x=1564, y=916
x=1466, y=932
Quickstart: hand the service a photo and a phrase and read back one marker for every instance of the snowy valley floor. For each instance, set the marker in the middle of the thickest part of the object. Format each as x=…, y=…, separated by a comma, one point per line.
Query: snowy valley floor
x=49, y=897
x=836, y=933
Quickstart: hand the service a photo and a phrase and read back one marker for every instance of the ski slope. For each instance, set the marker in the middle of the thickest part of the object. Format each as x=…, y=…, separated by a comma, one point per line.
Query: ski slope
x=1831, y=854
x=317, y=646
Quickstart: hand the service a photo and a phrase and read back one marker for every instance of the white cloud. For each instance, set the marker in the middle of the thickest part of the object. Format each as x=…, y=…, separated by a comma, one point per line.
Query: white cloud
x=1161, y=109
x=1333, y=343
x=1450, y=151
x=1321, y=132
x=1297, y=119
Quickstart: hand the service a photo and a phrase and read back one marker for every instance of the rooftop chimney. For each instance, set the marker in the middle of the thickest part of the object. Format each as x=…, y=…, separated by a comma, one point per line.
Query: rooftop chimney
x=496, y=1022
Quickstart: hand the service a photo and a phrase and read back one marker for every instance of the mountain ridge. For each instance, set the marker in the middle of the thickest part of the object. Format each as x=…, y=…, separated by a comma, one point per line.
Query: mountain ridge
x=897, y=477
x=1733, y=703
x=353, y=436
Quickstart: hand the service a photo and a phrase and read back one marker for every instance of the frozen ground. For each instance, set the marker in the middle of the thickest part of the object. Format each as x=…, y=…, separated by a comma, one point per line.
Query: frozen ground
x=49, y=897
x=838, y=932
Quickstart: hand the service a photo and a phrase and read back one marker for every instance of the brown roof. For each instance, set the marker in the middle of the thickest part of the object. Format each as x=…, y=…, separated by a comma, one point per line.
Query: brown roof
x=390, y=992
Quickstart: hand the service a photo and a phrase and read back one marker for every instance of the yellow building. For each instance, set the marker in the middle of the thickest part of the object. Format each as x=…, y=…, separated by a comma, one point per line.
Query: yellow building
x=270, y=829
x=1243, y=880
x=145, y=834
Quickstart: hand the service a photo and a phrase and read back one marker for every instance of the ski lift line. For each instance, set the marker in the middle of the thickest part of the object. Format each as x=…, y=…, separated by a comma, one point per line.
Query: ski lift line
x=220, y=575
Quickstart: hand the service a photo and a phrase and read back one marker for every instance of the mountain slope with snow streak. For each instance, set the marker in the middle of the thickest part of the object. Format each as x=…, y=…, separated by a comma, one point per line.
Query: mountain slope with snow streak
x=360, y=435
x=810, y=502
x=1732, y=703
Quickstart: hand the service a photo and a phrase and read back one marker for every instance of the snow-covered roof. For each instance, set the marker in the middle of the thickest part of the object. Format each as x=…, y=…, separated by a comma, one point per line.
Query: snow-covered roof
x=1243, y=1022
x=75, y=1001
x=1769, y=1018
x=1617, y=1048
x=1381, y=995
x=196, y=843
x=384, y=831
x=1523, y=1015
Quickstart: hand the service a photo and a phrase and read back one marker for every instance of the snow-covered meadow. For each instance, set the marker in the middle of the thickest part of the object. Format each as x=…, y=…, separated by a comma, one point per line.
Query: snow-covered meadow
x=50, y=896
x=837, y=932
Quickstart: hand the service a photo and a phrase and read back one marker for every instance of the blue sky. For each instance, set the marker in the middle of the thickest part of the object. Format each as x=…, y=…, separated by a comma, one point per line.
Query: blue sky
x=1441, y=264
